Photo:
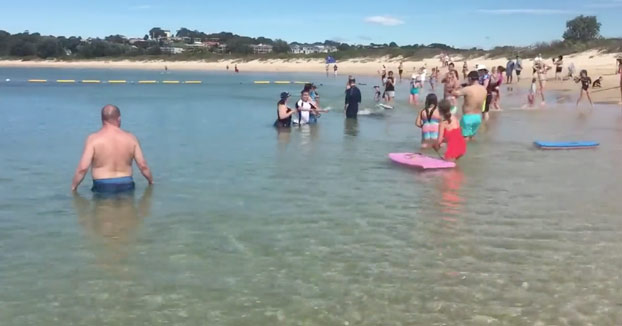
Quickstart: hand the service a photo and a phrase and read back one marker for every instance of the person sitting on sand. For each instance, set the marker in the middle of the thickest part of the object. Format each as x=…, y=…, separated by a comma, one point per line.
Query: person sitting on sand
x=597, y=82
x=451, y=133
x=474, y=99
x=109, y=153
x=283, y=112
x=428, y=120
x=585, y=81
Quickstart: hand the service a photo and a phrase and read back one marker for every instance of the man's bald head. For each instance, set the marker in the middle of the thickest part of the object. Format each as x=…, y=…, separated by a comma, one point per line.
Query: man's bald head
x=111, y=114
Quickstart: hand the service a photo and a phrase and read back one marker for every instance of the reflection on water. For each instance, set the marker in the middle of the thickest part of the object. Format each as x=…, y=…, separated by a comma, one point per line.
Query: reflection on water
x=283, y=136
x=111, y=223
x=351, y=127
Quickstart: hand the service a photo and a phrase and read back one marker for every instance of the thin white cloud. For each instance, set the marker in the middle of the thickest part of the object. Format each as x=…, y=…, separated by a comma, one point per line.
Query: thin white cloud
x=365, y=37
x=605, y=4
x=384, y=20
x=140, y=7
x=339, y=39
x=526, y=11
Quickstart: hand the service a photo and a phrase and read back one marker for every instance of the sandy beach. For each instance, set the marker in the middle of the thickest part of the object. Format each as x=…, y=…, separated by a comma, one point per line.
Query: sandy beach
x=597, y=64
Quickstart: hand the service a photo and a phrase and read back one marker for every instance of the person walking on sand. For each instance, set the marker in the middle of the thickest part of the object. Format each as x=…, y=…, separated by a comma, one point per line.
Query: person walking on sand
x=474, y=98
x=585, y=81
x=110, y=153
x=400, y=70
x=352, y=101
x=465, y=70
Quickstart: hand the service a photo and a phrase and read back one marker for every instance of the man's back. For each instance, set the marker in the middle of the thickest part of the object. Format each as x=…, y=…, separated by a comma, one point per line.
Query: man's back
x=113, y=153
x=474, y=98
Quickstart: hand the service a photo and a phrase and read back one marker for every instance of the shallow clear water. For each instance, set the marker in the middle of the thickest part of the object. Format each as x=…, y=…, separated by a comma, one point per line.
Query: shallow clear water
x=248, y=226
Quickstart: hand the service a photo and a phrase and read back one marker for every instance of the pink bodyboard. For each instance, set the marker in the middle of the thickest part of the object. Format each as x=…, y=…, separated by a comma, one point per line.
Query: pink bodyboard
x=421, y=161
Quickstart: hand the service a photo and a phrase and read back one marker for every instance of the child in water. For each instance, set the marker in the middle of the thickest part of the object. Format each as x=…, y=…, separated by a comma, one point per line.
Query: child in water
x=585, y=81
x=415, y=85
x=428, y=120
x=531, y=98
x=451, y=133
x=377, y=94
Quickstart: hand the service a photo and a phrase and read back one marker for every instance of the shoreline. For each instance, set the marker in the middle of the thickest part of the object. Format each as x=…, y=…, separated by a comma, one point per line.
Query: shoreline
x=596, y=63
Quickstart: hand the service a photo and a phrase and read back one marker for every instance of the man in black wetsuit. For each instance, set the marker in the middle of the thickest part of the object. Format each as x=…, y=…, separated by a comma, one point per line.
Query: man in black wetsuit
x=353, y=98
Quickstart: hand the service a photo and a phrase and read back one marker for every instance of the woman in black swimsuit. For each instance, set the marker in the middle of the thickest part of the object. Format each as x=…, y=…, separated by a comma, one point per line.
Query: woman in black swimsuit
x=283, y=113
x=585, y=86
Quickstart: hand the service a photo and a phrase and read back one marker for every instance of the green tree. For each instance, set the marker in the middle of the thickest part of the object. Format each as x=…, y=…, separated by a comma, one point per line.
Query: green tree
x=280, y=46
x=156, y=33
x=49, y=47
x=23, y=49
x=116, y=39
x=343, y=47
x=146, y=37
x=582, y=29
x=393, y=45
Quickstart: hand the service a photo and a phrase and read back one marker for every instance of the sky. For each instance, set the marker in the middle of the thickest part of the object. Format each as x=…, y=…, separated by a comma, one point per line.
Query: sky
x=466, y=23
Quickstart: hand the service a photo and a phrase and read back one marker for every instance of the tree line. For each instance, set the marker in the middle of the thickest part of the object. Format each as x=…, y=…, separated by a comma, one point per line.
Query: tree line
x=580, y=30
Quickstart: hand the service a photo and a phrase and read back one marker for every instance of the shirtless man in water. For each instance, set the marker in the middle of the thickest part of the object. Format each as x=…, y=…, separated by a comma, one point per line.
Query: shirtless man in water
x=110, y=152
x=474, y=99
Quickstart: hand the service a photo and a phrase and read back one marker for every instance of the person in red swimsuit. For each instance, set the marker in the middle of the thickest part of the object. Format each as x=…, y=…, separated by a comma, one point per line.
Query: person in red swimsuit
x=451, y=133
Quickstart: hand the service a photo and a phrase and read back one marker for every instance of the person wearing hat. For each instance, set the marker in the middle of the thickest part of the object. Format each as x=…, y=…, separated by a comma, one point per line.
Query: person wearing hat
x=283, y=113
x=474, y=98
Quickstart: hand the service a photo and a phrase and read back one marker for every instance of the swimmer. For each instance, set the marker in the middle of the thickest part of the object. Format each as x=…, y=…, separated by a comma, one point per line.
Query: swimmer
x=451, y=133
x=283, y=113
x=428, y=120
x=109, y=153
x=585, y=81
x=474, y=99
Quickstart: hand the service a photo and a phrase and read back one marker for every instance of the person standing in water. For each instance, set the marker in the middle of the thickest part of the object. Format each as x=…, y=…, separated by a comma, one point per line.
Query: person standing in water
x=559, y=66
x=451, y=84
x=474, y=99
x=236, y=69
x=110, y=153
x=353, y=99
x=335, y=68
x=415, y=85
x=518, y=67
x=585, y=81
x=620, y=73
x=400, y=70
x=509, y=68
x=451, y=133
x=283, y=113
x=389, y=88
x=428, y=120
x=484, y=80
